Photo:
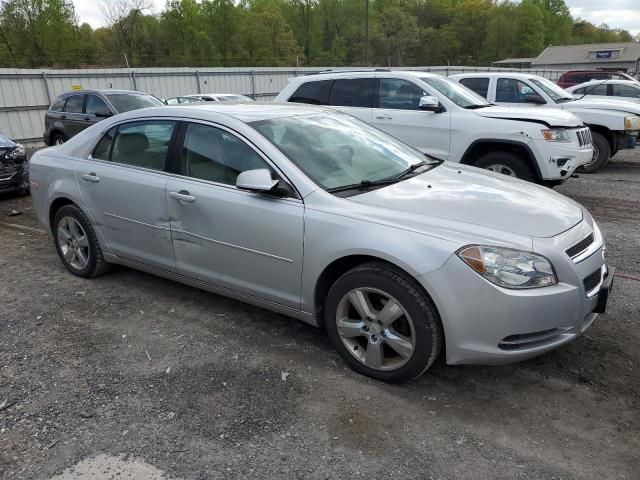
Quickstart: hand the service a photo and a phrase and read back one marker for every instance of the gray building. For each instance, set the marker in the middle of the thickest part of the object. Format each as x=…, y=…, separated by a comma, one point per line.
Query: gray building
x=592, y=56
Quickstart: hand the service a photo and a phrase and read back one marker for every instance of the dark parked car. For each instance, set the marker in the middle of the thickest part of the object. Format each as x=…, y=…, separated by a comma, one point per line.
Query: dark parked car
x=14, y=173
x=72, y=112
x=575, y=77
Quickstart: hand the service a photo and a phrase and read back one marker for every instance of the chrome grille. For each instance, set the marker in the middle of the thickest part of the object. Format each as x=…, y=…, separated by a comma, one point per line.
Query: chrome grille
x=584, y=137
x=580, y=247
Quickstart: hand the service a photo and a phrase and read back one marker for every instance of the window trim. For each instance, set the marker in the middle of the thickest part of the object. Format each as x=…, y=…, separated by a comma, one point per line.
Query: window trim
x=177, y=158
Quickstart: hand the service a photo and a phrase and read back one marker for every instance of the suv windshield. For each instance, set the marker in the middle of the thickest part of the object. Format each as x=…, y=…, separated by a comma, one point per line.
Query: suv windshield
x=338, y=151
x=125, y=102
x=458, y=94
x=556, y=93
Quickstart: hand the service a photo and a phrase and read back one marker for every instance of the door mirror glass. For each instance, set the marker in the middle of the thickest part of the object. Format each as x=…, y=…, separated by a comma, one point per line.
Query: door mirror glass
x=258, y=180
x=103, y=114
x=429, y=103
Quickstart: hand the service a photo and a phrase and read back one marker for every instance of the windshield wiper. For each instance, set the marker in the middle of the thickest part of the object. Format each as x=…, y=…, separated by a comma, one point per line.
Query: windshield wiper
x=363, y=185
x=588, y=90
x=412, y=168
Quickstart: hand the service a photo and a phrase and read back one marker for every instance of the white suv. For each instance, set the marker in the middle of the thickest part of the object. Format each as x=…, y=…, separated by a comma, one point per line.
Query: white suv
x=447, y=120
x=614, y=123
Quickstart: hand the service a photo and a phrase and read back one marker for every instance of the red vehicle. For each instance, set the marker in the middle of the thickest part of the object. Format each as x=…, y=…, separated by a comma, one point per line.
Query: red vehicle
x=575, y=77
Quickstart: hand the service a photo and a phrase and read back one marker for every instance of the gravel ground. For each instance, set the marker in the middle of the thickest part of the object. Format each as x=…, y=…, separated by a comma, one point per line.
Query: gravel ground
x=133, y=376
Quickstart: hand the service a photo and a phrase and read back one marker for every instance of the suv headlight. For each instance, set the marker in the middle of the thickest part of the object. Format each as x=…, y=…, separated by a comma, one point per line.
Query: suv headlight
x=16, y=152
x=632, y=122
x=509, y=268
x=557, y=135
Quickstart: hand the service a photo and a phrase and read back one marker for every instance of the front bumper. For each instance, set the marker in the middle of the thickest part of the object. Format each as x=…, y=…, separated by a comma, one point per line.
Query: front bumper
x=14, y=174
x=559, y=160
x=487, y=324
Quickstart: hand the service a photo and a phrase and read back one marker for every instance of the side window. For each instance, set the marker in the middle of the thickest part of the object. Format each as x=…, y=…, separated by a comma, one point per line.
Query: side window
x=173, y=101
x=399, y=94
x=74, y=104
x=58, y=106
x=210, y=153
x=143, y=144
x=96, y=105
x=477, y=84
x=103, y=148
x=510, y=90
x=314, y=93
x=626, y=91
x=579, y=91
x=356, y=92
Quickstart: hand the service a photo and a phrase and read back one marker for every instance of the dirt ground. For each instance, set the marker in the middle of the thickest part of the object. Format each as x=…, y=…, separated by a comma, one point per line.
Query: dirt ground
x=133, y=376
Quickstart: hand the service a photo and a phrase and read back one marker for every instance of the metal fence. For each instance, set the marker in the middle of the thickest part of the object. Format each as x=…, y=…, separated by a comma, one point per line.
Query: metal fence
x=25, y=94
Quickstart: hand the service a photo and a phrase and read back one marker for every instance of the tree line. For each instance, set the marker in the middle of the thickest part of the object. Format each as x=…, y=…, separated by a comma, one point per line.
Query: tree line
x=39, y=33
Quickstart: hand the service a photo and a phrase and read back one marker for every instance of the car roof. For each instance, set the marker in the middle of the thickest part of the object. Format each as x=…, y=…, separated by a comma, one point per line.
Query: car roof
x=104, y=91
x=518, y=75
x=331, y=74
x=604, y=82
x=243, y=111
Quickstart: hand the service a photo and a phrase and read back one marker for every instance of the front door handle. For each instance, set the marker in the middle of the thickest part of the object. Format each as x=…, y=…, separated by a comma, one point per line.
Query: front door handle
x=91, y=177
x=183, y=196
x=87, y=118
x=384, y=117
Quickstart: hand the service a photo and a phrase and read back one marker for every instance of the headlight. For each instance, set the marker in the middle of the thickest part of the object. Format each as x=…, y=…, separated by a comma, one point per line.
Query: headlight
x=16, y=152
x=632, y=122
x=557, y=135
x=509, y=268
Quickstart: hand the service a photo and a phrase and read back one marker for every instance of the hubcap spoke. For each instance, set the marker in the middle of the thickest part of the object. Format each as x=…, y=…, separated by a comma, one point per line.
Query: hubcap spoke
x=74, y=228
x=69, y=255
x=82, y=258
x=390, y=313
x=373, y=358
x=399, y=343
x=350, y=328
x=83, y=242
x=360, y=302
x=63, y=233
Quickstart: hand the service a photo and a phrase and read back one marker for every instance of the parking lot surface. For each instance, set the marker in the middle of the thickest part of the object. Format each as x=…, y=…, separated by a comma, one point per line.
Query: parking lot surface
x=132, y=376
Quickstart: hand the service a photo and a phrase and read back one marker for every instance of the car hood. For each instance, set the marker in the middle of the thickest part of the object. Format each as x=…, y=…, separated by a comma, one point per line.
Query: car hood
x=550, y=117
x=6, y=143
x=478, y=197
x=604, y=104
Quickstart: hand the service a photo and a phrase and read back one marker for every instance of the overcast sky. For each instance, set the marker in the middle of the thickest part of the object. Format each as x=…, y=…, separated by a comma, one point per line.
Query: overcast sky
x=616, y=13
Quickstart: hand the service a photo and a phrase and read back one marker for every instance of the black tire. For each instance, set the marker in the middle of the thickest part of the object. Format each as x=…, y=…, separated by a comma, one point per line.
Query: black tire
x=602, y=148
x=514, y=162
x=96, y=264
x=57, y=137
x=427, y=330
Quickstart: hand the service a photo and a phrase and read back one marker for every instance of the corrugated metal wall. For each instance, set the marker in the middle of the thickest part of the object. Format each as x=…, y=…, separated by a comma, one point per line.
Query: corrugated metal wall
x=25, y=95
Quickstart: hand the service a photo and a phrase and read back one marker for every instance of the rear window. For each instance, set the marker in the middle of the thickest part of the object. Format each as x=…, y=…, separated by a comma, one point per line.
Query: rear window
x=478, y=85
x=314, y=93
x=352, y=92
x=74, y=104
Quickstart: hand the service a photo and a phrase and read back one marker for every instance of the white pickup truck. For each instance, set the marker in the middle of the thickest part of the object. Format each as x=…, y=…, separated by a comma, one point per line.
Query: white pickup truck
x=450, y=122
x=614, y=124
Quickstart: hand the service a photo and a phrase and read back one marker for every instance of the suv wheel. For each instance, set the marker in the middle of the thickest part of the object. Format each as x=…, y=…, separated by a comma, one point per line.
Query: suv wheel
x=57, y=139
x=382, y=324
x=76, y=243
x=506, y=163
x=601, y=153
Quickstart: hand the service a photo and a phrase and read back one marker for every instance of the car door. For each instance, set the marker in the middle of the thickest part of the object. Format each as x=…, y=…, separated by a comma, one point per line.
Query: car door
x=353, y=96
x=397, y=113
x=96, y=109
x=123, y=185
x=73, y=119
x=250, y=243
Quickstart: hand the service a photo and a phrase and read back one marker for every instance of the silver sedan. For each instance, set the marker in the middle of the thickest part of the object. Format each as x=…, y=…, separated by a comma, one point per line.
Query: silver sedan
x=316, y=215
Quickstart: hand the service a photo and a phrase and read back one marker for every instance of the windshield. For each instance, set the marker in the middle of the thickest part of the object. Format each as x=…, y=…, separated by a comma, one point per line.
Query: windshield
x=234, y=98
x=556, y=93
x=457, y=93
x=337, y=150
x=125, y=102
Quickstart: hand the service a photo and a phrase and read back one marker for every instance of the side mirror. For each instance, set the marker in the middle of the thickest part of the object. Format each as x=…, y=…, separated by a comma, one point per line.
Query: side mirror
x=104, y=114
x=535, y=98
x=429, y=103
x=256, y=181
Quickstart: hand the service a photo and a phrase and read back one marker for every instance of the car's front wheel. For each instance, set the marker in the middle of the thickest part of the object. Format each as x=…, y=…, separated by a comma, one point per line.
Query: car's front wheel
x=506, y=163
x=382, y=323
x=76, y=243
x=601, y=154
x=57, y=139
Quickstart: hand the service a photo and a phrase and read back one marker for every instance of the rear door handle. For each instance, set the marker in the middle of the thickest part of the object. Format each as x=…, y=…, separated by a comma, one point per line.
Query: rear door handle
x=87, y=118
x=384, y=117
x=183, y=196
x=91, y=177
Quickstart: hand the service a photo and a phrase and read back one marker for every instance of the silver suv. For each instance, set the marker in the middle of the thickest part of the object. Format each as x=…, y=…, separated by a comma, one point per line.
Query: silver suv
x=72, y=112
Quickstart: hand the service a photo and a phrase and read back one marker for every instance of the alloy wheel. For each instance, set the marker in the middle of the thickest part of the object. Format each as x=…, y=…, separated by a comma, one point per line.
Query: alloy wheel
x=73, y=242
x=501, y=168
x=375, y=328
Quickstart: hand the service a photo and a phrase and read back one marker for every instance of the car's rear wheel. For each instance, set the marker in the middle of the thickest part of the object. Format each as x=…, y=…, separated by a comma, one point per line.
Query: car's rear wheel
x=601, y=153
x=58, y=139
x=506, y=163
x=382, y=323
x=76, y=243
